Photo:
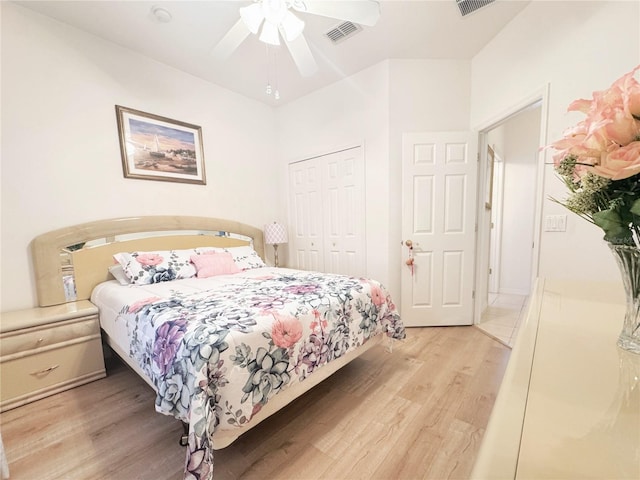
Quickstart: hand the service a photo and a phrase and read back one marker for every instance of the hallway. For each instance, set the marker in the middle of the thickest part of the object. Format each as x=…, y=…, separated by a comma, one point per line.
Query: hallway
x=501, y=320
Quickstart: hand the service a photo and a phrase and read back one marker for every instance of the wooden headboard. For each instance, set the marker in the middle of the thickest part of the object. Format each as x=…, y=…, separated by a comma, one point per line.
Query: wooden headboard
x=71, y=261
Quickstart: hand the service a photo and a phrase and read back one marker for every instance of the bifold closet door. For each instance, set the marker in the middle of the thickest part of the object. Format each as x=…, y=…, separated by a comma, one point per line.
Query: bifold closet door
x=328, y=210
x=306, y=211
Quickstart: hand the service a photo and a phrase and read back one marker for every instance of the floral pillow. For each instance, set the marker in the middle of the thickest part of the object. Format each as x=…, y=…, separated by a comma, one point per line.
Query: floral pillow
x=246, y=258
x=214, y=263
x=144, y=268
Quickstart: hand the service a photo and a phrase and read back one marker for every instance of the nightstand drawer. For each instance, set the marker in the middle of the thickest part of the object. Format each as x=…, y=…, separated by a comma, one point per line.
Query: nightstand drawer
x=28, y=378
x=23, y=341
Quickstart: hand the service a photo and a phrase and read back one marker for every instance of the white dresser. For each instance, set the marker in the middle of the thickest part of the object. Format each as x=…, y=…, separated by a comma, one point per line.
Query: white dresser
x=569, y=404
x=47, y=350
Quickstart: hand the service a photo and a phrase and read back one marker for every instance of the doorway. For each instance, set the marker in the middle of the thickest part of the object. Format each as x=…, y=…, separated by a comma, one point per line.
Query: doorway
x=509, y=225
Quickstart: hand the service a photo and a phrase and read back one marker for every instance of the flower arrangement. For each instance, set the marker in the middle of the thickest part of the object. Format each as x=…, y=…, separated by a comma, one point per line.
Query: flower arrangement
x=599, y=160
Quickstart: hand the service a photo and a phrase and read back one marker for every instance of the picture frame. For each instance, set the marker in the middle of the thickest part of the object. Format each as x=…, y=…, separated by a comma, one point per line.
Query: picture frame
x=159, y=148
x=489, y=178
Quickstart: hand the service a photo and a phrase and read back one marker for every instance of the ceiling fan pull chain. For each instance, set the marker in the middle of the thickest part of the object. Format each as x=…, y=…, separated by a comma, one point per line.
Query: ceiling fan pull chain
x=276, y=95
x=269, y=89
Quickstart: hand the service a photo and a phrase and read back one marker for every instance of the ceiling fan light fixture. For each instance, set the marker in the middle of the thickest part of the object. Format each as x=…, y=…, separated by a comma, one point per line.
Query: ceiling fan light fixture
x=252, y=16
x=274, y=11
x=292, y=26
x=270, y=34
x=271, y=19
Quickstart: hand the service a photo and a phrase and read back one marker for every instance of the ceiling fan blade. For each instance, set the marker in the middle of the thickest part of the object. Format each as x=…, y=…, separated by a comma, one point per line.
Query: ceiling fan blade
x=363, y=12
x=252, y=16
x=232, y=40
x=302, y=56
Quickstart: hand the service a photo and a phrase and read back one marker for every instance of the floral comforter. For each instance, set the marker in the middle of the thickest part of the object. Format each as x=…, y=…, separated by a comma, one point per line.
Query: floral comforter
x=218, y=356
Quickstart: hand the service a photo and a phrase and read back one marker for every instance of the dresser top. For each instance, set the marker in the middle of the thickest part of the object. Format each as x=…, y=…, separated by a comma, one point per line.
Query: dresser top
x=569, y=405
x=583, y=409
x=33, y=317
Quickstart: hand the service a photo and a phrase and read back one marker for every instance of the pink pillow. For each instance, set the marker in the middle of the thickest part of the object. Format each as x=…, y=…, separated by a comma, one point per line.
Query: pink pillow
x=214, y=263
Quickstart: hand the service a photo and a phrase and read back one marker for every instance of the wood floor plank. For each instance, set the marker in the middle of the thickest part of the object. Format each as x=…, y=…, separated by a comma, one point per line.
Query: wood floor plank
x=418, y=412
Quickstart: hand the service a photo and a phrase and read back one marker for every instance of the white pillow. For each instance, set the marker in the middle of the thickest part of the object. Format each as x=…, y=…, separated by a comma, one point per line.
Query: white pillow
x=118, y=273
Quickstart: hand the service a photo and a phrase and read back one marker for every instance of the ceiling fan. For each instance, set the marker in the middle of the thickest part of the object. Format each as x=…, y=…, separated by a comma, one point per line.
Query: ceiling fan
x=274, y=20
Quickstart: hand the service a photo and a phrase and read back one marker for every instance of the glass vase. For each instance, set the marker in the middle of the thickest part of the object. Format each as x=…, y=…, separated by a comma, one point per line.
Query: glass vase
x=628, y=259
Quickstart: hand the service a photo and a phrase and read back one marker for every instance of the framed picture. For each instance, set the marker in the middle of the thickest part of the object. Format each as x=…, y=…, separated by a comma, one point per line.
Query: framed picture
x=489, y=178
x=158, y=148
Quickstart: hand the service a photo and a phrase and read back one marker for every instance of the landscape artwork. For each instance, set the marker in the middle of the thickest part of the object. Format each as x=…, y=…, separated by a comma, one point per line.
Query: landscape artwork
x=159, y=148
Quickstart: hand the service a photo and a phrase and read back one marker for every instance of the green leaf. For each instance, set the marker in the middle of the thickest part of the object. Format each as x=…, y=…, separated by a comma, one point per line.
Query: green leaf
x=615, y=229
x=635, y=208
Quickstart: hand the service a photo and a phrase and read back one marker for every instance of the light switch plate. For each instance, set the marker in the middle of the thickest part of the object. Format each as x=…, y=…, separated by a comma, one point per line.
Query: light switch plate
x=555, y=223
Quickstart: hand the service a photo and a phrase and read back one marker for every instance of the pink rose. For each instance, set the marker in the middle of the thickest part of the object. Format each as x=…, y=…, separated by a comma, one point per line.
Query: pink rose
x=630, y=92
x=149, y=259
x=614, y=125
x=575, y=145
x=141, y=303
x=621, y=163
x=377, y=297
x=610, y=113
x=609, y=125
x=286, y=331
x=581, y=105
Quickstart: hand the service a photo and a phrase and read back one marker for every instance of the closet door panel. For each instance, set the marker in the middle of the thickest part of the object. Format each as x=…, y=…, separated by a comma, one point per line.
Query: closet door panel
x=344, y=211
x=306, y=207
x=328, y=213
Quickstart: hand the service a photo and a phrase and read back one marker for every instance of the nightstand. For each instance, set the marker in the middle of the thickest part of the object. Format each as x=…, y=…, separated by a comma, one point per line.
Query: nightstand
x=47, y=350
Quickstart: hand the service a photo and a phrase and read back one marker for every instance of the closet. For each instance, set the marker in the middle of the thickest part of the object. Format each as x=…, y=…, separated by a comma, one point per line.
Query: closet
x=327, y=213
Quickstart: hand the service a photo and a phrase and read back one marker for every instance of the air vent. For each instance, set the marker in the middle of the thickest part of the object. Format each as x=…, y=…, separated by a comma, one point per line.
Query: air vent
x=340, y=32
x=468, y=6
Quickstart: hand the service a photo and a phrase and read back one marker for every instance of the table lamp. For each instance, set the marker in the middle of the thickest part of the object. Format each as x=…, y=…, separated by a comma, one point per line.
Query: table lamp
x=275, y=234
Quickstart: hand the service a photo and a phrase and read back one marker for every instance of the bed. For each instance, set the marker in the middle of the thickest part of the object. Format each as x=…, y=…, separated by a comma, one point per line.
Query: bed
x=224, y=340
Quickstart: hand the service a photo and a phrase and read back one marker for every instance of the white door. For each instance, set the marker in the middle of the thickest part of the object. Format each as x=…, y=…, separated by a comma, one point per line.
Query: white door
x=438, y=217
x=344, y=208
x=306, y=209
x=328, y=213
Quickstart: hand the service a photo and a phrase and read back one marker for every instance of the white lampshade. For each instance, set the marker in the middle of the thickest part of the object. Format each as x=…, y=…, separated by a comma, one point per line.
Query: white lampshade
x=275, y=234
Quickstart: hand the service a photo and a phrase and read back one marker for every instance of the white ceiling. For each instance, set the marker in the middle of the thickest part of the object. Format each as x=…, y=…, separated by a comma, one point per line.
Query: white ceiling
x=432, y=29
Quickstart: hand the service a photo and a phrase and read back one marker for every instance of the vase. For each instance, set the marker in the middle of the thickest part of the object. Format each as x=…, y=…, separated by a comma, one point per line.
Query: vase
x=628, y=259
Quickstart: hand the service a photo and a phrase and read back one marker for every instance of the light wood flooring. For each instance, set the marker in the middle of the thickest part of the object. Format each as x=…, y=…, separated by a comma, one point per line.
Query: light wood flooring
x=419, y=412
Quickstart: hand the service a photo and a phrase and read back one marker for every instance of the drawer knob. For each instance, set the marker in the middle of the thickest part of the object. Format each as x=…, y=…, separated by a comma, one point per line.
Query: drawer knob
x=40, y=340
x=46, y=370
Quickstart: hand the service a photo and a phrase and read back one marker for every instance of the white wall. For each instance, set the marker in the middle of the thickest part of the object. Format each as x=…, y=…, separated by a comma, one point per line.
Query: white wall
x=576, y=48
x=425, y=96
x=60, y=156
x=61, y=164
x=520, y=154
x=351, y=112
x=376, y=106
